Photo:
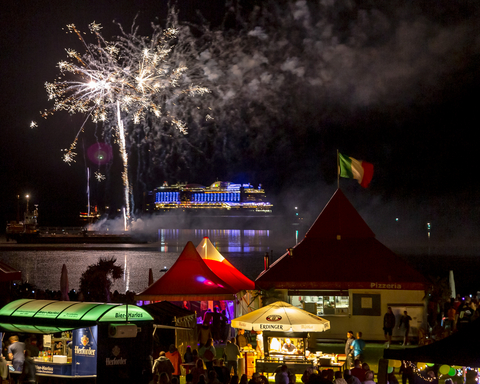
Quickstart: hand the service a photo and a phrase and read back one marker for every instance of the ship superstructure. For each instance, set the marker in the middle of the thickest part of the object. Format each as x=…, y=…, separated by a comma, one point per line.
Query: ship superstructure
x=221, y=196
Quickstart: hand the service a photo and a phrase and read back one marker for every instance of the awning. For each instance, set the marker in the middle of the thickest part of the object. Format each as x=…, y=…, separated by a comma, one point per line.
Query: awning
x=222, y=267
x=49, y=316
x=189, y=278
x=8, y=273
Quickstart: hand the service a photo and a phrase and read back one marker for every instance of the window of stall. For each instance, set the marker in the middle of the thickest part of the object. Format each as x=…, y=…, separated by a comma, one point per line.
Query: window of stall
x=294, y=346
x=322, y=303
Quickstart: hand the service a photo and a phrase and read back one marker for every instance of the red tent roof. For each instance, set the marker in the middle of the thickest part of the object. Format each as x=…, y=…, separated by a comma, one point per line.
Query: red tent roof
x=340, y=252
x=189, y=279
x=8, y=273
x=222, y=267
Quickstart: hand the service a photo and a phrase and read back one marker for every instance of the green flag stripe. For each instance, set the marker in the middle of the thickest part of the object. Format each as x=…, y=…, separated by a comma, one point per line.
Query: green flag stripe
x=345, y=166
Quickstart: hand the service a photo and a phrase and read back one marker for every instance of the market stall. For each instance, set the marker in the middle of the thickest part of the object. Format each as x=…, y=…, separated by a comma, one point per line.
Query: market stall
x=103, y=342
x=285, y=330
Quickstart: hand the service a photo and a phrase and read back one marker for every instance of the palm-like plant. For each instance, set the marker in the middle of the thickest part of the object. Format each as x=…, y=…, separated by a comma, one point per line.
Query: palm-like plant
x=97, y=280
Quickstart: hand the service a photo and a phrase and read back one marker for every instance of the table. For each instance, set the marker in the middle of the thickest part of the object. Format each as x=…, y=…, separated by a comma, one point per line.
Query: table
x=340, y=366
x=298, y=366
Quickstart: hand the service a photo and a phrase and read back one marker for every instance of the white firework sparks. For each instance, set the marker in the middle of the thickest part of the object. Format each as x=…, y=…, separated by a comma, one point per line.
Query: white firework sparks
x=99, y=176
x=129, y=80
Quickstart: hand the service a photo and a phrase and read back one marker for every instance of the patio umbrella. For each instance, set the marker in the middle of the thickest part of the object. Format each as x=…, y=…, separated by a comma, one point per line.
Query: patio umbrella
x=451, y=281
x=64, y=283
x=281, y=317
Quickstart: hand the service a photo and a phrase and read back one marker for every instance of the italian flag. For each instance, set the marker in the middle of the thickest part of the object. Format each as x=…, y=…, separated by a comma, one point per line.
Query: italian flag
x=355, y=169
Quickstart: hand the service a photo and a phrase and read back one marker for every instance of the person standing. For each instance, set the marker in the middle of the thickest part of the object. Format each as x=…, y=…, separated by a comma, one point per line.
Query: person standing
x=216, y=324
x=405, y=320
x=174, y=356
x=198, y=371
x=259, y=348
x=241, y=339
x=208, y=353
x=281, y=377
x=29, y=373
x=358, y=347
x=464, y=313
x=205, y=333
x=358, y=371
x=348, y=351
x=161, y=365
x=16, y=353
x=388, y=325
x=232, y=353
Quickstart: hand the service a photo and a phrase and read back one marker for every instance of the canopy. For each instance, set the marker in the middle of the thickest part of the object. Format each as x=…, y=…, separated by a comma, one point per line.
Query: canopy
x=461, y=348
x=340, y=252
x=189, y=279
x=222, y=267
x=49, y=316
x=281, y=317
x=8, y=273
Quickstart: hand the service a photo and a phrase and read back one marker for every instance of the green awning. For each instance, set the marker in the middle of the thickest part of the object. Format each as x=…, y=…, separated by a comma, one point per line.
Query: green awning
x=51, y=316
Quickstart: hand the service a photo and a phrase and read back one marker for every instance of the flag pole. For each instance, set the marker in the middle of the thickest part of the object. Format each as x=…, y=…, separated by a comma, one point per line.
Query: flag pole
x=338, y=172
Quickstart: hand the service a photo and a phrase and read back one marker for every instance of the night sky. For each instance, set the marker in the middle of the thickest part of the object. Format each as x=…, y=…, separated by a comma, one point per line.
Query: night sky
x=392, y=83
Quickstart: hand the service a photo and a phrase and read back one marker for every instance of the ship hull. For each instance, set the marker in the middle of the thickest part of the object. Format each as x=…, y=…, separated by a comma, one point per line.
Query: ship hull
x=76, y=239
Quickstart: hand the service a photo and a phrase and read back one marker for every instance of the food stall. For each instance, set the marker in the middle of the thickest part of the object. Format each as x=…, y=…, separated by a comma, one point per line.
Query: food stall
x=91, y=341
x=285, y=336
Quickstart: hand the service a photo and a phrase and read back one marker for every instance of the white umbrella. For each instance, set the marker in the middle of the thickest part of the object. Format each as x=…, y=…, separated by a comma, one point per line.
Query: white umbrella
x=451, y=281
x=281, y=317
x=64, y=283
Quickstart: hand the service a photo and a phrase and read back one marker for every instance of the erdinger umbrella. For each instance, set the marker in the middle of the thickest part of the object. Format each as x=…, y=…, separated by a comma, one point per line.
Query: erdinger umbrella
x=281, y=317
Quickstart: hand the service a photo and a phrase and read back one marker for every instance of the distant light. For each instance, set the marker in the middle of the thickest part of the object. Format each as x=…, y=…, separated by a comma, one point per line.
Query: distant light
x=296, y=208
x=396, y=219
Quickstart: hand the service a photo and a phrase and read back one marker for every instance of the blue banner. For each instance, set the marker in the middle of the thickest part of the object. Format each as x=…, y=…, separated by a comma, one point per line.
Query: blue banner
x=84, y=351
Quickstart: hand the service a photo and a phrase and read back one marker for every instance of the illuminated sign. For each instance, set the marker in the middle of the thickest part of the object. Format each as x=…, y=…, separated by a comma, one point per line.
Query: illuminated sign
x=376, y=285
x=273, y=327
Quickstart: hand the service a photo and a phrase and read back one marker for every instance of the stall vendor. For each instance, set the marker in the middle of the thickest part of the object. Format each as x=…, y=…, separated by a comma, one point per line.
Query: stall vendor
x=288, y=347
x=275, y=345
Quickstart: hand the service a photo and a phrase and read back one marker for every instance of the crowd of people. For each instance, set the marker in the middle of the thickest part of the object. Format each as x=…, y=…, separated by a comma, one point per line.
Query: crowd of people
x=202, y=366
x=216, y=325
x=359, y=374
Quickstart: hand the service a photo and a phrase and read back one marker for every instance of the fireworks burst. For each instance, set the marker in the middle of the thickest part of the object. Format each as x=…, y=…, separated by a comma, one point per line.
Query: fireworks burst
x=99, y=176
x=33, y=124
x=131, y=80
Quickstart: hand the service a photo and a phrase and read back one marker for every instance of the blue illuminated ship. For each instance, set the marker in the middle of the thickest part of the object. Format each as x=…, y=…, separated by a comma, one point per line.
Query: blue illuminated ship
x=220, y=197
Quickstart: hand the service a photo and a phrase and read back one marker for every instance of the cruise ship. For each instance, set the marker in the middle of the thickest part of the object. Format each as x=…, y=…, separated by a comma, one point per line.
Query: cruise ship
x=222, y=197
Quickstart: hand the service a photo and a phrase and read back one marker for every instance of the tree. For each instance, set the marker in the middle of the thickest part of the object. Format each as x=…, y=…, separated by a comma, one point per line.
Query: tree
x=97, y=280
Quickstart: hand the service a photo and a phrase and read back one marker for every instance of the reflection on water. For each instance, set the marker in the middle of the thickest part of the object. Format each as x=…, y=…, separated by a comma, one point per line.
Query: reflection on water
x=41, y=265
x=226, y=240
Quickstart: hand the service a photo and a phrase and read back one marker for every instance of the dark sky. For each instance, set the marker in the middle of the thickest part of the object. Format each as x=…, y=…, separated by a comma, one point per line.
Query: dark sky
x=392, y=83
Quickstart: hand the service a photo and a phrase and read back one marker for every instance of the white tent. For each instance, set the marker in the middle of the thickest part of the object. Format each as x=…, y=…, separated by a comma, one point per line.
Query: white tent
x=281, y=317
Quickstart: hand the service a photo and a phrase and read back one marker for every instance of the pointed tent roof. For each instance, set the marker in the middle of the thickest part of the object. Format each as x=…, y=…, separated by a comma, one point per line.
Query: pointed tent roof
x=222, y=267
x=340, y=252
x=188, y=279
